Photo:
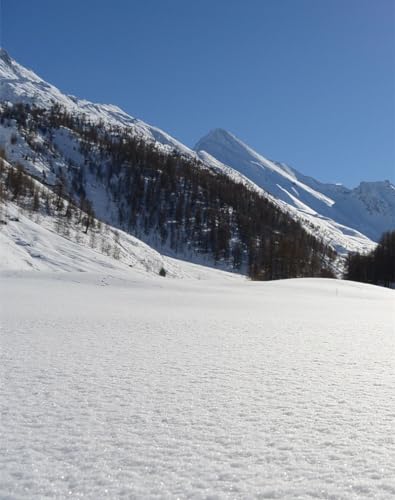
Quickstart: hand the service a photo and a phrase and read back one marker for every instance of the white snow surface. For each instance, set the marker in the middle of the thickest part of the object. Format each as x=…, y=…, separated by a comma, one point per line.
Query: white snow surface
x=138, y=387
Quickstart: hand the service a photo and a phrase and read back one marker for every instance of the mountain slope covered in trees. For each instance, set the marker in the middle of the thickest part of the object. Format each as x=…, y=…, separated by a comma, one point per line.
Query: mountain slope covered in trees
x=142, y=181
x=42, y=229
x=175, y=203
x=20, y=85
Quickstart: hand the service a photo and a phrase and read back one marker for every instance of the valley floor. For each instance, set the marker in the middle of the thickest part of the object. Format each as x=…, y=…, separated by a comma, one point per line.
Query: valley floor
x=146, y=387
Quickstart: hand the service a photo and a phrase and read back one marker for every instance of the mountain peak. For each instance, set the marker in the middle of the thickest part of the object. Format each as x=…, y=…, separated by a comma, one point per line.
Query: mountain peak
x=227, y=148
x=217, y=135
x=220, y=138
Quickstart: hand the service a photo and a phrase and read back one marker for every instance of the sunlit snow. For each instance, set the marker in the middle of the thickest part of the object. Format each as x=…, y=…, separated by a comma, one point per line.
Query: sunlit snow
x=130, y=386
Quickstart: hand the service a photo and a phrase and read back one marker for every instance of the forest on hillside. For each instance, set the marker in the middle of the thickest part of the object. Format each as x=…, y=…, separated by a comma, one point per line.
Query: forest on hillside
x=165, y=197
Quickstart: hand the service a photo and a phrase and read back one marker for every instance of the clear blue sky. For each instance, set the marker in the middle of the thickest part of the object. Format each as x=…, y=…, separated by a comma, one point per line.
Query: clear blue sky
x=307, y=82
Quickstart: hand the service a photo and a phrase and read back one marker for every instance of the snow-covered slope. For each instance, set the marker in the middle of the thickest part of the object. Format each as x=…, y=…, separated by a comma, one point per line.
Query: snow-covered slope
x=18, y=84
x=345, y=213
x=32, y=242
x=343, y=238
x=152, y=388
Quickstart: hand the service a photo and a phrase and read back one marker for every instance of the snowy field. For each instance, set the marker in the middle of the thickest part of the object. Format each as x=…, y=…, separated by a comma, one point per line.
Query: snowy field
x=146, y=387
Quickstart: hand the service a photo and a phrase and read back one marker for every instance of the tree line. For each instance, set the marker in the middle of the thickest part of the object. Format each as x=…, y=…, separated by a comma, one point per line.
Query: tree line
x=376, y=267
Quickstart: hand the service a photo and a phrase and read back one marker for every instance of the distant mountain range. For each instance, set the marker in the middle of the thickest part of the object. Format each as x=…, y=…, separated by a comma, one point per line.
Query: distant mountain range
x=343, y=219
x=342, y=214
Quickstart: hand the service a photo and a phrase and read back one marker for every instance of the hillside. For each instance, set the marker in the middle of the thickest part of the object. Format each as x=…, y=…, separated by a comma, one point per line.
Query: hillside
x=43, y=231
x=348, y=219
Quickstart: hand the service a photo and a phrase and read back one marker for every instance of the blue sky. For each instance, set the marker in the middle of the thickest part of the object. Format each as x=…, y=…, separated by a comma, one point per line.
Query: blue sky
x=307, y=82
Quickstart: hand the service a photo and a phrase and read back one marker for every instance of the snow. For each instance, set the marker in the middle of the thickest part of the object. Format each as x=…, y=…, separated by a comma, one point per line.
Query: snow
x=233, y=152
x=342, y=238
x=118, y=383
x=141, y=387
x=370, y=208
x=364, y=212
x=27, y=244
x=32, y=242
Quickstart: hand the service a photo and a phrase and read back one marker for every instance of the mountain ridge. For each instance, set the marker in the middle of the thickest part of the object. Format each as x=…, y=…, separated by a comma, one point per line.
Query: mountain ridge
x=368, y=208
x=20, y=85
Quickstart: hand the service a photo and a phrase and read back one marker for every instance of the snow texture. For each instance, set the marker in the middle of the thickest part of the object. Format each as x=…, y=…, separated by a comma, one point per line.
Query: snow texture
x=138, y=387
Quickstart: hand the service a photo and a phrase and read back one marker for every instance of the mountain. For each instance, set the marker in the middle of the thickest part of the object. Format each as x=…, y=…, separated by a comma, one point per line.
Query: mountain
x=106, y=166
x=349, y=217
x=349, y=220
x=21, y=85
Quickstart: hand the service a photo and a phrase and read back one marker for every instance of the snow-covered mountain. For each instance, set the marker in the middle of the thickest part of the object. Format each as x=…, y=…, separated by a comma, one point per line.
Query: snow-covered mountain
x=348, y=214
x=18, y=84
x=139, y=179
x=347, y=220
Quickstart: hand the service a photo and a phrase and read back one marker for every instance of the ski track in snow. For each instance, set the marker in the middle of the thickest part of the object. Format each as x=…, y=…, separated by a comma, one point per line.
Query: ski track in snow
x=157, y=388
